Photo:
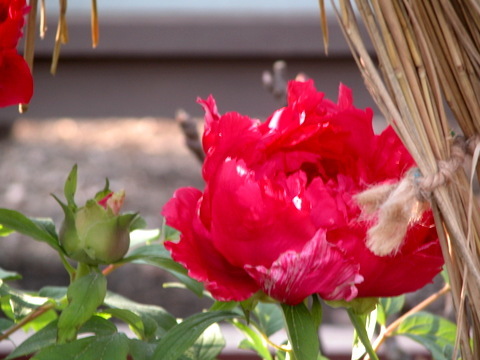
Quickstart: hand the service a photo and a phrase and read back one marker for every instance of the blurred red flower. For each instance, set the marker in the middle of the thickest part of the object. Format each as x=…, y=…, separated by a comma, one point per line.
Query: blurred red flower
x=277, y=213
x=16, y=83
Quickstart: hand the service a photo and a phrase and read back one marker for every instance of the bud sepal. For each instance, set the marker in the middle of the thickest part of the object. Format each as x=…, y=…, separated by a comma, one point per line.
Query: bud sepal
x=96, y=233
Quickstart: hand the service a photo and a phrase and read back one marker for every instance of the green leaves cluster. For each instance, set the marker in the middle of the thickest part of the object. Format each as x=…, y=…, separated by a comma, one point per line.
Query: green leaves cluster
x=434, y=332
x=80, y=321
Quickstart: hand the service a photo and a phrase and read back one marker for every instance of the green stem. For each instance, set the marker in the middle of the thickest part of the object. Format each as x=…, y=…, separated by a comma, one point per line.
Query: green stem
x=359, y=326
x=302, y=332
x=70, y=269
x=82, y=270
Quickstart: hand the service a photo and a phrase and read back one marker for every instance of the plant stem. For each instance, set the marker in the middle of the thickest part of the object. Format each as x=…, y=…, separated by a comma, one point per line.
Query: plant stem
x=387, y=332
x=82, y=270
x=110, y=268
x=359, y=326
x=33, y=315
x=70, y=269
x=270, y=342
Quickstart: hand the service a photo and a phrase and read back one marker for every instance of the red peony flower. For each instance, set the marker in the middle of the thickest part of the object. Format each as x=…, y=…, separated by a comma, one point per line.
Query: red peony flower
x=11, y=22
x=277, y=213
x=16, y=83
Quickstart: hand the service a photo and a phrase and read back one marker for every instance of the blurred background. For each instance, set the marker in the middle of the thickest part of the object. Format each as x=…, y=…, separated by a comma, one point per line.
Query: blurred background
x=110, y=110
x=156, y=56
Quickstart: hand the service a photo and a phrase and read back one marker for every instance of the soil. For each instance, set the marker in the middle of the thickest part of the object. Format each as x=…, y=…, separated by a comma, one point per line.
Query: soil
x=144, y=156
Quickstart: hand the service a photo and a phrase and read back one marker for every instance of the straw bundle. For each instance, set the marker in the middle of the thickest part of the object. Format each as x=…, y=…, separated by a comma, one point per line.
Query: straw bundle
x=61, y=36
x=428, y=54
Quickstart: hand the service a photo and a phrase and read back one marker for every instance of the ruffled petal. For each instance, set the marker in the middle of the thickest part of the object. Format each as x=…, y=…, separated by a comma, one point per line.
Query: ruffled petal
x=228, y=136
x=254, y=220
x=196, y=252
x=320, y=268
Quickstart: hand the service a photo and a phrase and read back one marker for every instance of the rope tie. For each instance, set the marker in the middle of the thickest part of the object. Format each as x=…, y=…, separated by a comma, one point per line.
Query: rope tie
x=396, y=206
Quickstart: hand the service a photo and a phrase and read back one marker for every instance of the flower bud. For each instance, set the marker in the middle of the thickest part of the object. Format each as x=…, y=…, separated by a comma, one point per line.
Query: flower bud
x=96, y=233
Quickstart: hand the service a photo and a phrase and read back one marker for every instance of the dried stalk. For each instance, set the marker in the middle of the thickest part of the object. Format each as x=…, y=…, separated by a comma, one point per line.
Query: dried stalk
x=94, y=24
x=428, y=52
x=61, y=36
x=29, y=48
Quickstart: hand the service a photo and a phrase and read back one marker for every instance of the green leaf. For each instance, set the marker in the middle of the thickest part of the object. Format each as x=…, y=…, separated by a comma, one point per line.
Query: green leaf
x=157, y=255
x=4, y=231
x=137, y=223
x=113, y=347
x=41, y=321
x=36, y=229
x=9, y=275
x=434, y=332
x=223, y=305
x=208, y=346
x=248, y=306
x=47, y=225
x=41, y=339
x=253, y=340
x=133, y=320
x=99, y=326
x=17, y=304
x=140, y=350
x=182, y=336
x=269, y=317
x=169, y=233
x=302, y=332
x=85, y=295
x=141, y=237
x=156, y=320
x=5, y=324
x=359, y=306
x=48, y=335
x=388, y=307
x=70, y=187
x=54, y=292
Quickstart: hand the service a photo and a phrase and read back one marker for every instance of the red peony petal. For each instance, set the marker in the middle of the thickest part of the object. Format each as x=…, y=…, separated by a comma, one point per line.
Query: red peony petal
x=417, y=262
x=196, y=252
x=319, y=268
x=16, y=82
x=12, y=14
x=254, y=220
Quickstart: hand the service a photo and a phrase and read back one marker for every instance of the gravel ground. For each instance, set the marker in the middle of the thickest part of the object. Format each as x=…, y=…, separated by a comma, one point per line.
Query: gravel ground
x=145, y=157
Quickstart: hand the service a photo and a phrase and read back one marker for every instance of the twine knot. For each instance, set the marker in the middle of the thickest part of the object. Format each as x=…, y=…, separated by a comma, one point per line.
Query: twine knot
x=396, y=206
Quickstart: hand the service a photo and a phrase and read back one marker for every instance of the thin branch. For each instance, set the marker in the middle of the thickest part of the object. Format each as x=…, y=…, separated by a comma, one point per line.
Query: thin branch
x=110, y=268
x=394, y=325
x=188, y=125
x=32, y=316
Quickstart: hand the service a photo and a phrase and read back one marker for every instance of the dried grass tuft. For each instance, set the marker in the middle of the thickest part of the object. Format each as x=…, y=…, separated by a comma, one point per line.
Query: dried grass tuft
x=428, y=55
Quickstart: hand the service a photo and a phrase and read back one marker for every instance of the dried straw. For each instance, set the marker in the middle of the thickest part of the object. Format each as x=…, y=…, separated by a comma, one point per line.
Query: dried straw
x=61, y=35
x=428, y=55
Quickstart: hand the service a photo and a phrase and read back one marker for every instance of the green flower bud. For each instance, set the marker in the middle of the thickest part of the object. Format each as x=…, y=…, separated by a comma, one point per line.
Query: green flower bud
x=95, y=233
